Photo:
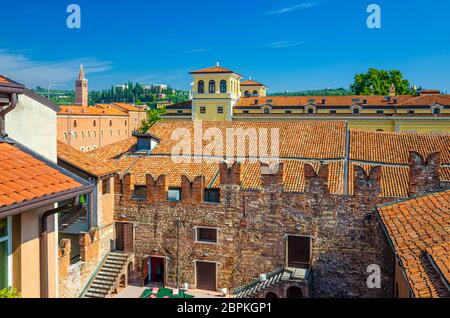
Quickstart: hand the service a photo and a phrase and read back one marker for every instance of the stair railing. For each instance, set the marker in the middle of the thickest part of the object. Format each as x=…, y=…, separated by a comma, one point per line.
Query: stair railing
x=86, y=287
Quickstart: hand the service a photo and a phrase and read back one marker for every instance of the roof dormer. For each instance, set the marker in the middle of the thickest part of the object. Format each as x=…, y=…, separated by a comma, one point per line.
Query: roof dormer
x=145, y=142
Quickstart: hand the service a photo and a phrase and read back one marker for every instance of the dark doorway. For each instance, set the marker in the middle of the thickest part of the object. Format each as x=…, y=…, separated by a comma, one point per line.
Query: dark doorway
x=271, y=295
x=294, y=292
x=154, y=270
x=124, y=237
x=206, y=276
x=299, y=251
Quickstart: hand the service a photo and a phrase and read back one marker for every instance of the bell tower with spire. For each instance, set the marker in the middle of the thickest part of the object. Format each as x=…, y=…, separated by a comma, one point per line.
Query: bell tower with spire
x=81, y=89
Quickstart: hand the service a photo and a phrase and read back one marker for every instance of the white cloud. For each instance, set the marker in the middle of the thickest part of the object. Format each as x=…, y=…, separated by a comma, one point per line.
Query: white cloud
x=301, y=6
x=284, y=44
x=34, y=73
x=195, y=51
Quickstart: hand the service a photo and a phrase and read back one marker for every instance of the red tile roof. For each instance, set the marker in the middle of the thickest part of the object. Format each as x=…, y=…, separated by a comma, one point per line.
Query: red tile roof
x=24, y=178
x=306, y=142
x=99, y=110
x=416, y=227
x=86, y=163
x=213, y=70
x=251, y=83
x=4, y=80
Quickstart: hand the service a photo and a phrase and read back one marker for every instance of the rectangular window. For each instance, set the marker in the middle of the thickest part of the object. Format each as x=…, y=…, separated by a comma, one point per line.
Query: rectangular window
x=179, y=111
x=380, y=112
x=220, y=110
x=436, y=111
x=298, y=251
x=106, y=186
x=288, y=112
x=310, y=111
x=202, y=110
x=212, y=195
x=245, y=112
x=332, y=112
x=410, y=111
x=206, y=235
x=174, y=195
x=140, y=193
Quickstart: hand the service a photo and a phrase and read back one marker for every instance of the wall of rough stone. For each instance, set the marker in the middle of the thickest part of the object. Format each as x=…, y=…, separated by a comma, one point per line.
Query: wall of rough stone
x=73, y=278
x=252, y=225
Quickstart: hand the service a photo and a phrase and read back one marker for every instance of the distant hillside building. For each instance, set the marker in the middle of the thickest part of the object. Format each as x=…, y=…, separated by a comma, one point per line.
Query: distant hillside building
x=219, y=94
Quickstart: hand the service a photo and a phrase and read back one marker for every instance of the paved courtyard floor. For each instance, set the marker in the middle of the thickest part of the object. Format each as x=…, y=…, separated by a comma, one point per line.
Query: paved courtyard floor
x=132, y=291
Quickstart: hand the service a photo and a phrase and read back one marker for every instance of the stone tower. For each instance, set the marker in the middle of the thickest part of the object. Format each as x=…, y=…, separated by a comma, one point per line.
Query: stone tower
x=81, y=89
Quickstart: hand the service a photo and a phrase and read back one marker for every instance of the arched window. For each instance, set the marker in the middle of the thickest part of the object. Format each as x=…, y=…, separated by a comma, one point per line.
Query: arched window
x=74, y=123
x=65, y=136
x=247, y=94
x=88, y=148
x=82, y=135
x=74, y=135
x=255, y=93
x=223, y=86
x=212, y=87
x=355, y=110
x=125, y=123
x=94, y=123
x=110, y=123
x=201, y=87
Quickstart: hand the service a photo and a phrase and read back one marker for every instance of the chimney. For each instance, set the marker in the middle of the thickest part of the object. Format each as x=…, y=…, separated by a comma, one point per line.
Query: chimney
x=392, y=90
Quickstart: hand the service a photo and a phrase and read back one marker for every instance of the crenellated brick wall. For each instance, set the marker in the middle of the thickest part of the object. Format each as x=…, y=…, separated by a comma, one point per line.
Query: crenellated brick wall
x=252, y=227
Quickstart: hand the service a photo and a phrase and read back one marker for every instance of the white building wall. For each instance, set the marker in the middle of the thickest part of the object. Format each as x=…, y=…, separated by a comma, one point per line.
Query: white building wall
x=33, y=125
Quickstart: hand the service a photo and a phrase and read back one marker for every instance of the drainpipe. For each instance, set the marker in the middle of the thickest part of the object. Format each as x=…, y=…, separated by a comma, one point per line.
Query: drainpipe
x=12, y=104
x=43, y=238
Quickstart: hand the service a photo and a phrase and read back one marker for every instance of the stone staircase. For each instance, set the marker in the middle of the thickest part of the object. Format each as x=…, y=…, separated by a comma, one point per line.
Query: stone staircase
x=106, y=280
x=272, y=279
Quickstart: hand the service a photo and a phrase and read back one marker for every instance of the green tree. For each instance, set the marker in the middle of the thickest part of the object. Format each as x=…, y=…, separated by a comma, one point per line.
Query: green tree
x=153, y=116
x=378, y=82
x=9, y=293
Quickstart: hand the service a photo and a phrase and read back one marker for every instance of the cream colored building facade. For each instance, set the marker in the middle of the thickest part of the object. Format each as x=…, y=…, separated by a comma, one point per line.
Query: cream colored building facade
x=429, y=111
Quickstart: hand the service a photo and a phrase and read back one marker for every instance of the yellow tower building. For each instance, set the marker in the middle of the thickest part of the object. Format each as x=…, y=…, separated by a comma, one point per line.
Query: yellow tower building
x=215, y=93
x=252, y=88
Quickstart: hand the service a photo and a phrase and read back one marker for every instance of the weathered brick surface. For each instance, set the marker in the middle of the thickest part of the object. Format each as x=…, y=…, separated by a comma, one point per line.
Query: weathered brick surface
x=73, y=278
x=346, y=235
x=424, y=173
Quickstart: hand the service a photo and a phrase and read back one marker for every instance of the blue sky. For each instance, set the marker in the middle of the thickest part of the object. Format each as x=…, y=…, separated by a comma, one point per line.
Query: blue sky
x=286, y=44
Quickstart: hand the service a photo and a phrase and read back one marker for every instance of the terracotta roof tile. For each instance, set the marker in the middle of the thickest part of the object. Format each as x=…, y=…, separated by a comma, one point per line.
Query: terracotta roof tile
x=128, y=107
x=214, y=69
x=101, y=110
x=393, y=148
x=4, y=80
x=367, y=149
x=251, y=83
x=24, y=177
x=417, y=227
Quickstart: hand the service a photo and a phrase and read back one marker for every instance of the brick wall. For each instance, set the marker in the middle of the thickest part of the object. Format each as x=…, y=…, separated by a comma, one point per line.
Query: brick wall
x=252, y=227
x=73, y=278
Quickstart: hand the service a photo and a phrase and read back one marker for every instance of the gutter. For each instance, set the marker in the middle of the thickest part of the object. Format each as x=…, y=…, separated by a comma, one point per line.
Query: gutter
x=46, y=200
x=12, y=104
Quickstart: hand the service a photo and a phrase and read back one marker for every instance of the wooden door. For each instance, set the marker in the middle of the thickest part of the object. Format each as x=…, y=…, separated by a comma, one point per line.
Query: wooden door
x=124, y=237
x=299, y=251
x=206, y=276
